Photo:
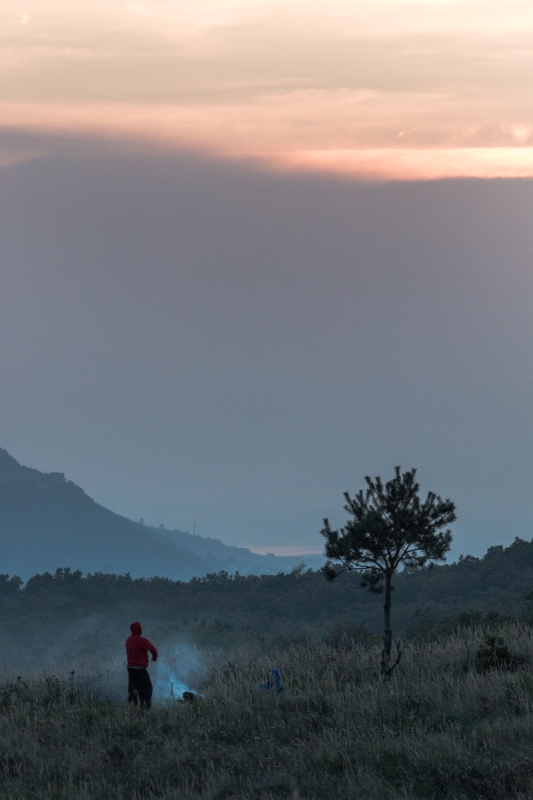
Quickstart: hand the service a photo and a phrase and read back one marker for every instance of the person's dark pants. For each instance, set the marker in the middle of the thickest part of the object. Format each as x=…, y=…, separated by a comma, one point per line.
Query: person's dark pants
x=139, y=687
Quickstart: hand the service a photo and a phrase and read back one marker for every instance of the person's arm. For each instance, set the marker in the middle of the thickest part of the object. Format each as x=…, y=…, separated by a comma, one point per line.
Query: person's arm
x=151, y=649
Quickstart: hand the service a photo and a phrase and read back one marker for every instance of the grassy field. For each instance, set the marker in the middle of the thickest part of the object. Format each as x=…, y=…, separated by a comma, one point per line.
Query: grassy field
x=446, y=726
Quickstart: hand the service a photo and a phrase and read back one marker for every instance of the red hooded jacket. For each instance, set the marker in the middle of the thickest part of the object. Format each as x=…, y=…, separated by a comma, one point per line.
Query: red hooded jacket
x=137, y=647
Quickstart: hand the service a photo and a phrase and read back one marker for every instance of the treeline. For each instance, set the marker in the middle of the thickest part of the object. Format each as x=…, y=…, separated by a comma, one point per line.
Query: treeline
x=66, y=609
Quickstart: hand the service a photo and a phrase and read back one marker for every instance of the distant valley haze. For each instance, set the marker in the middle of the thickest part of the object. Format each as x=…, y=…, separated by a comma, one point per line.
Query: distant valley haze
x=196, y=341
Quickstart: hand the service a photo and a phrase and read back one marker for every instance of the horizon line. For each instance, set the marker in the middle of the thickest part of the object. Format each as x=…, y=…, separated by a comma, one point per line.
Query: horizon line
x=287, y=550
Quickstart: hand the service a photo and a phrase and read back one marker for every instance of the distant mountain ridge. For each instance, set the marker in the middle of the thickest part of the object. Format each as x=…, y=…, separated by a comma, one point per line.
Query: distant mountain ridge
x=47, y=521
x=11, y=470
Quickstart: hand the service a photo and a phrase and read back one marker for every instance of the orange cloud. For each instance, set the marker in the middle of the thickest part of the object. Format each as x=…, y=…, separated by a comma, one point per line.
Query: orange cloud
x=430, y=164
x=368, y=87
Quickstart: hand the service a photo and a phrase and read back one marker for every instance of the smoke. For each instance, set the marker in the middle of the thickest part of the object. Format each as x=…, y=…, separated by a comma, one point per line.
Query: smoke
x=178, y=669
x=89, y=653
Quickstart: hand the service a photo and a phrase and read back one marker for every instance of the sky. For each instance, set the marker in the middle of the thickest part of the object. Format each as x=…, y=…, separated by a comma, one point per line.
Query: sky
x=253, y=252
x=375, y=87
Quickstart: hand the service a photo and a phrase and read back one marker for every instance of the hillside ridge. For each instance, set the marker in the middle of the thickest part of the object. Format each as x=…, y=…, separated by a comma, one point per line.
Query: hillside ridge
x=47, y=521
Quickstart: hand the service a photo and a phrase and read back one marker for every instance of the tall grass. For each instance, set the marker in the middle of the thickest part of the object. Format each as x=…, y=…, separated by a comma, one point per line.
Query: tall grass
x=442, y=728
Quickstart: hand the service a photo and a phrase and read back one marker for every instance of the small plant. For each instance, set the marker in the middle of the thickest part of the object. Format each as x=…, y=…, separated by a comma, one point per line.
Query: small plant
x=493, y=653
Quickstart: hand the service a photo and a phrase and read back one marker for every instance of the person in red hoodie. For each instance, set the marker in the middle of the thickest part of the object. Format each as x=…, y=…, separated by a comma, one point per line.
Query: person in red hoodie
x=139, y=683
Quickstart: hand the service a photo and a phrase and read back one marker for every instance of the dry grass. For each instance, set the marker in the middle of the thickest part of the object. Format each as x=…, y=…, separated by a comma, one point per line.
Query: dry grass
x=440, y=729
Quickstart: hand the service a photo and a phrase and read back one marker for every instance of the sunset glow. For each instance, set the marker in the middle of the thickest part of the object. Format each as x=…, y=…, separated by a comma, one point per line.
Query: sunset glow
x=378, y=89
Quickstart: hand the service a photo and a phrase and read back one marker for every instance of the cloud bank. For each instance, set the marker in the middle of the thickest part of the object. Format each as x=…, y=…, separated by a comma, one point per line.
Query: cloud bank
x=379, y=89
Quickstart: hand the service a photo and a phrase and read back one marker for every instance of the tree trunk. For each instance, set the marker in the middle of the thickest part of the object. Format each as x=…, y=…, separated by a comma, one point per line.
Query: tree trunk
x=387, y=639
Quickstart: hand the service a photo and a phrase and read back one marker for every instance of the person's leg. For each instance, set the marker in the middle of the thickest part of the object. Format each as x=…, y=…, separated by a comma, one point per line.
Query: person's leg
x=145, y=689
x=149, y=691
x=132, y=686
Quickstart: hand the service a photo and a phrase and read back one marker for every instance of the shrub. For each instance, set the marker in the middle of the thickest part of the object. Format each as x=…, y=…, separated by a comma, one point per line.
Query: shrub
x=493, y=653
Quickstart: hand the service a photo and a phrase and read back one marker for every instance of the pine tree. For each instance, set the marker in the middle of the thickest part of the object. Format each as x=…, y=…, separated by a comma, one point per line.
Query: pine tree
x=390, y=527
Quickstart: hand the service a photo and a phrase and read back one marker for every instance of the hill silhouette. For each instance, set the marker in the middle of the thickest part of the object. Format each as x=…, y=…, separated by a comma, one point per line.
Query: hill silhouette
x=47, y=521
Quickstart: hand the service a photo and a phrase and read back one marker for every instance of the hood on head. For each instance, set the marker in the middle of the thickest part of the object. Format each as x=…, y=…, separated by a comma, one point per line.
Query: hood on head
x=136, y=629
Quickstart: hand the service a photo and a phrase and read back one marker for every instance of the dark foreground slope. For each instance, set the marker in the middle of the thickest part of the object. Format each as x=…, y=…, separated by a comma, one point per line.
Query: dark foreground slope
x=47, y=521
x=443, y=729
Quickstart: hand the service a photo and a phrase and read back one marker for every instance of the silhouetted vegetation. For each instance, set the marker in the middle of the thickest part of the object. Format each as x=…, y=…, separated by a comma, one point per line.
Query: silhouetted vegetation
x=453, y=724
x=55, y=614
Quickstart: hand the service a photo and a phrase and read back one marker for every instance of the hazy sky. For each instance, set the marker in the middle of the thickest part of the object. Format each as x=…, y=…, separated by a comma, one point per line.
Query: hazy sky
x=212, y=312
